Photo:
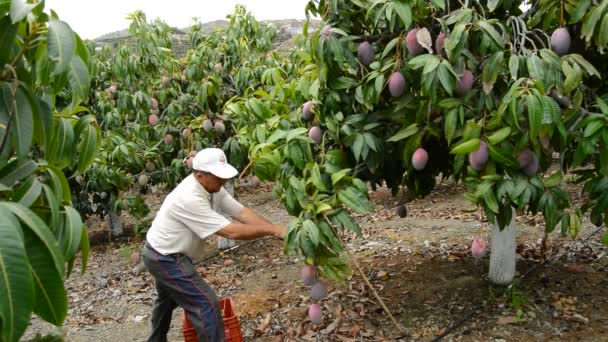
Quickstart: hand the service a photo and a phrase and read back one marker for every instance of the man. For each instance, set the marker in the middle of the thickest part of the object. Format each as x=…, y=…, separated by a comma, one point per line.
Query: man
x=175, y=238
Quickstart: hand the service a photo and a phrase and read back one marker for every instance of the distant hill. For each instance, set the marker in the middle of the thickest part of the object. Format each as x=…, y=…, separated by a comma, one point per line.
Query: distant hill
x=288, y=29
x=282, y=24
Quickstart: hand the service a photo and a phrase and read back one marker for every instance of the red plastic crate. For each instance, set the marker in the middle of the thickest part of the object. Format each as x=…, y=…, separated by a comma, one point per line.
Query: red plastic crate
x=232, y=326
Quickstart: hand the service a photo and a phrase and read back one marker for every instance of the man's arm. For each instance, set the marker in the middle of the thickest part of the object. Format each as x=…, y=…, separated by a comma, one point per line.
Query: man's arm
x=247, y=215
x=245, y=231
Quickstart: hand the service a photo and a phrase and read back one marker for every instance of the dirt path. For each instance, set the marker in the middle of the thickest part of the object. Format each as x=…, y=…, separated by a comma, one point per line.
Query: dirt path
x=420, y=265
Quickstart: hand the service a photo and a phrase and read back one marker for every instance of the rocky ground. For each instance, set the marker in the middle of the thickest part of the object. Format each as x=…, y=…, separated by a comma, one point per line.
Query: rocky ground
x=419, y=265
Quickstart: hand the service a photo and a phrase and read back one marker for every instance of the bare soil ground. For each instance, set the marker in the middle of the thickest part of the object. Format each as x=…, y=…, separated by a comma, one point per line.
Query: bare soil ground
x=420, y=265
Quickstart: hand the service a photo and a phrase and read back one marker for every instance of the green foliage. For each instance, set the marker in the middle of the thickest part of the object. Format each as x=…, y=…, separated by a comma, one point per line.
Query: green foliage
x=44, y=135
x=523, y=96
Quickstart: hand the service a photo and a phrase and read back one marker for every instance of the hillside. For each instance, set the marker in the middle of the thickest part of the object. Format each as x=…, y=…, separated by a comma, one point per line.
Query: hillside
x=288, y=28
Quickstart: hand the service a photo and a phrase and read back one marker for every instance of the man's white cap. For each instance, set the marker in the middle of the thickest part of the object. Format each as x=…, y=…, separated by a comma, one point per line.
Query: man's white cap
x=213, y=160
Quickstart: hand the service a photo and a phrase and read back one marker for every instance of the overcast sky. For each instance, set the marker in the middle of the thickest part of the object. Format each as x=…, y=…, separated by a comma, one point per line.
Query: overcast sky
x=93, y=18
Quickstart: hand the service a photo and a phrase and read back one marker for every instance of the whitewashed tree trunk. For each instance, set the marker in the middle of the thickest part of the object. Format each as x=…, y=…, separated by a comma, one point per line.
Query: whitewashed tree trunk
x=223, y=243
x=502, y=253
x=114, y=222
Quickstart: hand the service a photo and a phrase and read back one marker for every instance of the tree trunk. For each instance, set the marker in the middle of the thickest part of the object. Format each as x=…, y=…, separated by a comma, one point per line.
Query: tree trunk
x=502, y=253
x=114, y=222
x=223, y=243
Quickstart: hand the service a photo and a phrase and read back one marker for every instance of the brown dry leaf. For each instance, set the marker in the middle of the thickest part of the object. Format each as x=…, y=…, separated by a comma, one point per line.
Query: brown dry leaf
x=228, y=262
x=264, y=327
x=331, y=327
x=574, y=268
x=441, y=331
x=502, y=320
x=355, y=330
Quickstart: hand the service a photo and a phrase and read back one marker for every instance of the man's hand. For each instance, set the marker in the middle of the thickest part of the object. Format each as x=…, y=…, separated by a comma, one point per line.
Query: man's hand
x=281, y=231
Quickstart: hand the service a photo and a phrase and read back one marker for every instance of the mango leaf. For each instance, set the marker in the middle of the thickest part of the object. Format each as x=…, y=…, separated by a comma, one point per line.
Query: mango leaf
x=445, y=77
x=491, y=70
x=466, y=147
x=20, y=9
x=88, y=148
x=84, y=249
x=51, y=296
x=535, y=114
x=491, y=31
x=71, y=232
x=16, y=287
x=313, y=231
x=28, y=192
x=355, y=200
x=405, y=133
x=78, y=76
x=17, y=170
x=403, y=9
x=40, y=229
x=316, y=178
x=439, y=3
x=492, y=4
x=22, y=128
x=61, y=44
x=500, y=135
x=536, y=68
x=593, y=127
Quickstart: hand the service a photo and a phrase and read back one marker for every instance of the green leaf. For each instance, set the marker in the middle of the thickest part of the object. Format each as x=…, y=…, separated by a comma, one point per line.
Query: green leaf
x=421, y=61
x=389, y=47
x=535, y=114
x=62, y=144
x=38, y=227
x=405, y=133
x=28, y=192
x=439, y=3
x=554, y=180
x=71, y=233
x=16, y=287
x=491, y=70
x=449, y=128
x=358, y=146
x=593, y=127
x=370, y=141
x=466, y=147
x=581, y=61
x=22, y=128
x=355, y=200
x=16, y=171
x=51, y=297
x=84, y=249
x=490, y=200
x=492, y=4
x=336, y=177
x=88, y=148
x=296, y=154
x=344, y=218
x=20, y=9
x=78, y=76
x=502, y=157
x=313, y=231
x=445, y=77
x=431, y=65
x=53, y=204
x=8, y=32
x=316, y=178
x=579, y=11
x=536, y=68
x=296, y=132
x=404, y=11
x=61, y=44
x=491, y=31
x=500, y=135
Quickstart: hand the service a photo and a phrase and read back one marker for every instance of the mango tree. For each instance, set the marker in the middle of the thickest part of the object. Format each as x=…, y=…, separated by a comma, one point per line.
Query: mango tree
x=156, y=110
x=404, y=91
x=45, y=134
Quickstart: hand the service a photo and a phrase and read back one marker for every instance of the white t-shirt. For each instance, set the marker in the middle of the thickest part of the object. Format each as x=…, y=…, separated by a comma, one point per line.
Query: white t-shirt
x=187, y=216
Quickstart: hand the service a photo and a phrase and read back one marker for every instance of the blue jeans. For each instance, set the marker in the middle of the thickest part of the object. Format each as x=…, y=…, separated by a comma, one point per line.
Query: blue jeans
x=178, y=284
